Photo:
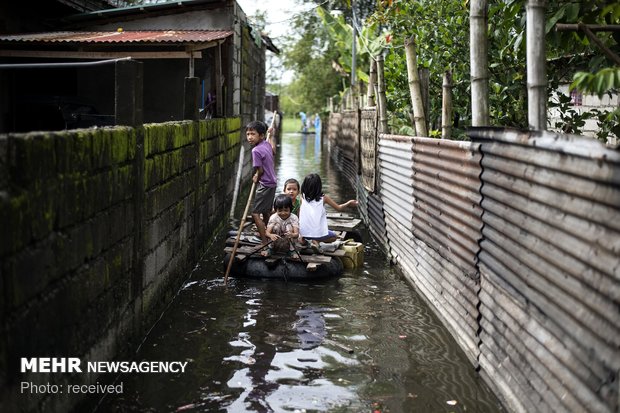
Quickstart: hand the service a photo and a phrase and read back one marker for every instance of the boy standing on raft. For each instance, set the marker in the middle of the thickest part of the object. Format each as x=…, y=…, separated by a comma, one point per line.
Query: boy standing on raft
x=264, y=174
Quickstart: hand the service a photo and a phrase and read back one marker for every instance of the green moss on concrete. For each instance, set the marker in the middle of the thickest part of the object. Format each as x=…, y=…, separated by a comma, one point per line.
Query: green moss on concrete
x=82, y=150
x=33, y=157
x=120, y=152
x=18, y=233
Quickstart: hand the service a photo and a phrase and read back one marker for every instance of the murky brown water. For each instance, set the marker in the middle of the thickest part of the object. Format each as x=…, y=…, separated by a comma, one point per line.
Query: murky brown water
x=365, y=342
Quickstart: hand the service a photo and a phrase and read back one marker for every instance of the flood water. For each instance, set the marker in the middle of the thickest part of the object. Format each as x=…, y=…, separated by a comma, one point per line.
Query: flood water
x=364, y=342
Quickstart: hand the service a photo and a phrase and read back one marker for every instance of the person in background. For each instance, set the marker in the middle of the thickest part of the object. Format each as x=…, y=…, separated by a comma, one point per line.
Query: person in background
x=291, y=188
x=264, y=174
x=313, y=217
x=317, y=122
x=304, y=127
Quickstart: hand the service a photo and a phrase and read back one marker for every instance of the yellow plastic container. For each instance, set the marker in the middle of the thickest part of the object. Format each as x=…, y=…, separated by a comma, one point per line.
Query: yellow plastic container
x=353, y=254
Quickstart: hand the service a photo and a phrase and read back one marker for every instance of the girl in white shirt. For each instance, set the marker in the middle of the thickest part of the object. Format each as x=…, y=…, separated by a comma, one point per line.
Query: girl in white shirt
x=312, y=214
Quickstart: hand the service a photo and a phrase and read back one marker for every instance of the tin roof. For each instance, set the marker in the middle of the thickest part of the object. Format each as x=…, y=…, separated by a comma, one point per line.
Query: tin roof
x=133, y=36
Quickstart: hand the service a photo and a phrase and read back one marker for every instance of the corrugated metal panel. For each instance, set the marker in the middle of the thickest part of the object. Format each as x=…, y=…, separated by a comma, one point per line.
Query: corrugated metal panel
x=396, y=165
x=371, y=211
x=368, y=137
x=139, y=36
x=427, y=194
x=550, y=268
x=447, y=199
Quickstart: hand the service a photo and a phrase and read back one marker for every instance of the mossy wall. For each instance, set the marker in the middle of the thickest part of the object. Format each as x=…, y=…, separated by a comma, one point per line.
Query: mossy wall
x=99, y=228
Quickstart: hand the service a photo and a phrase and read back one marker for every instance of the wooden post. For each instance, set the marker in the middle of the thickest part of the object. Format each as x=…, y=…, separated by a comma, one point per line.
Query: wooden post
x=414, y=88
x=383, y=119
x=479, y=62
x=372, y=79
x=446, y=106
x=536, y=65
x=219, y=96
x=191, y=99
x=128, y=89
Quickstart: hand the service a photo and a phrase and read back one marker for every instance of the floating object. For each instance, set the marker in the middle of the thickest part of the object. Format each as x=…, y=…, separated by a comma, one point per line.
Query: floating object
x=354, y=253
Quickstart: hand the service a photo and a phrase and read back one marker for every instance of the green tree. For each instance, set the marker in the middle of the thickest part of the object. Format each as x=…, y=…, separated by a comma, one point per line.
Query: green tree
x=442, y=33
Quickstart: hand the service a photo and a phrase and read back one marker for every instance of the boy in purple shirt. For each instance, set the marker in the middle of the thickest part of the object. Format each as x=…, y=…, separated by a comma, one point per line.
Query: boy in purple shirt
x=264, y=174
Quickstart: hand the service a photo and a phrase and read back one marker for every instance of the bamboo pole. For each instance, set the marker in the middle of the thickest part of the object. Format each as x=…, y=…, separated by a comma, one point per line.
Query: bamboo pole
x=372, y=79
x=446, y=106
x=536, y=69
x=425, y=80
x=383, y=119
x=417, y=103
x=479, y=62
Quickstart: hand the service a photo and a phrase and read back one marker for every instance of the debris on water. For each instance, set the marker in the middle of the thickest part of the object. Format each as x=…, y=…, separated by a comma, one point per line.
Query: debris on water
x=402, y=336
x=451, y=402
x=189, y=284
x=186, y=407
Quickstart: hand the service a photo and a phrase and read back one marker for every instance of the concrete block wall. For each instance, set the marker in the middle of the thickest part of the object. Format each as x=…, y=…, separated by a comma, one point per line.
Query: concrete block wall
x=99, y=229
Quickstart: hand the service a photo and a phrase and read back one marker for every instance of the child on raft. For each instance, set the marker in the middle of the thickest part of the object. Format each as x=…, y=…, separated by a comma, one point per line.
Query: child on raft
x=313, y=217
x=291, y=188
x=264, y=174
x=283, y=226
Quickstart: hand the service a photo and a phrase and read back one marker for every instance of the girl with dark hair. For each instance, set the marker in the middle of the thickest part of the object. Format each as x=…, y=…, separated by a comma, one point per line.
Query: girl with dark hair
x=312, y=214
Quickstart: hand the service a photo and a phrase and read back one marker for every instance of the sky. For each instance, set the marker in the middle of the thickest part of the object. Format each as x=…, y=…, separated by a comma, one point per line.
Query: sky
x=279, y=14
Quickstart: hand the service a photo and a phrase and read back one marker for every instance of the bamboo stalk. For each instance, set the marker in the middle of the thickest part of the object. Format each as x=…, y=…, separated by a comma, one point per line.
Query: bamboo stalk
x=536, y=69
x=417, y=103
x=425, y=80
x=372, y=79
x=383, y=119
x=479, y=62
x=446, y=106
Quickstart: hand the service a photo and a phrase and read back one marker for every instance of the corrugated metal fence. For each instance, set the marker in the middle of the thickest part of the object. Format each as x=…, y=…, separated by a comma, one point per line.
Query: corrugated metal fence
x=550, y=270
x=514, y=239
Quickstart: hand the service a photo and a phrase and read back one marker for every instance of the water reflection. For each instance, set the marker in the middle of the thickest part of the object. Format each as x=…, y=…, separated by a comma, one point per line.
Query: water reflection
x=272, y=346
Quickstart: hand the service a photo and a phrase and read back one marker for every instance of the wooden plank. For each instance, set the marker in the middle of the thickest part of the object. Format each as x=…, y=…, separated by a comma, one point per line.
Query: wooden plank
x=245, y=249
x=312, y=266
x=339, y=215
x=342, y=225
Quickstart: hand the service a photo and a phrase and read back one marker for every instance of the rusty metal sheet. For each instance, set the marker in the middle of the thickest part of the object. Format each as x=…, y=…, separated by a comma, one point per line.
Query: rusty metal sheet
x=447, y=207
x=116, y=37
x=452, y=295
x=550, y=259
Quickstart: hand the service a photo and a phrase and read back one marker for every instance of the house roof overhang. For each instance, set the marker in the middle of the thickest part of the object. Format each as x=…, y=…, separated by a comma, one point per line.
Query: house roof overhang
x=138, y=44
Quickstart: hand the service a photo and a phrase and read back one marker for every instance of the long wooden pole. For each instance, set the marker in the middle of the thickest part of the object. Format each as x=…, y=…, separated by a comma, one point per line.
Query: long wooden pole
x=234, y=250
x=247, y=205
